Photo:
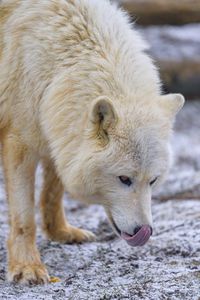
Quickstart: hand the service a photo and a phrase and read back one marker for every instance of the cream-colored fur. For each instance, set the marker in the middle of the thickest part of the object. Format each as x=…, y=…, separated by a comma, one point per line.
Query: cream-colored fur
x=78, y=93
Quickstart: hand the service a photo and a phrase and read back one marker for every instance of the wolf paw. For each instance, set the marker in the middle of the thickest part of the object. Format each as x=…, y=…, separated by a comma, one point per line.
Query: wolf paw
x=72, y=235
x=28, y=274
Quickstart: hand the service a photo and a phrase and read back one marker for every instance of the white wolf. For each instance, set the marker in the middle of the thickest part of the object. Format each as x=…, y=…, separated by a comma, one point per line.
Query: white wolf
x=78, y=93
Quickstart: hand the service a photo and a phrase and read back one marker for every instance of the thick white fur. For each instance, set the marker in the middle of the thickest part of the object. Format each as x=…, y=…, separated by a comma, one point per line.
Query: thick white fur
x=78, y=90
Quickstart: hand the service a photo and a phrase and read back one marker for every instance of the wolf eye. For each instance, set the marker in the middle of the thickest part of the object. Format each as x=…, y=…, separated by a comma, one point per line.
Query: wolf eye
x=153, y=181
x=125, y=180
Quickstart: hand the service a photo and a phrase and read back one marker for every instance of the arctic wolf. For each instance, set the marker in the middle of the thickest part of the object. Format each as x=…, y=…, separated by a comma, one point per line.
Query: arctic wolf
x=78, y=93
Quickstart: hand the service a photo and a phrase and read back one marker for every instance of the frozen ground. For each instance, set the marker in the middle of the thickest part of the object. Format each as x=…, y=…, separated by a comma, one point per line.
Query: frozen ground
x=168, y=267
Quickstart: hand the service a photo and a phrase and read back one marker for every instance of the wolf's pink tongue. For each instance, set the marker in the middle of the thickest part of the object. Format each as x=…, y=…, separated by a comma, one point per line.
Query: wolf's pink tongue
x=140, y=238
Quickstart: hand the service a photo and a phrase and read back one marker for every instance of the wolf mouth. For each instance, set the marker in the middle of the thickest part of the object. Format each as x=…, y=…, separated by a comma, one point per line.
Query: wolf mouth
x=138, y=239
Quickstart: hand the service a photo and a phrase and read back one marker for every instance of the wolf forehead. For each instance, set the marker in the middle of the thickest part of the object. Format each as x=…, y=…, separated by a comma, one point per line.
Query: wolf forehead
x=138, y=149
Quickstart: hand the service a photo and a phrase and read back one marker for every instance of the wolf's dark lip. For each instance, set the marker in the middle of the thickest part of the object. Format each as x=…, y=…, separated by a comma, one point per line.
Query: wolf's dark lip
x=117, y=229
x=115, y=226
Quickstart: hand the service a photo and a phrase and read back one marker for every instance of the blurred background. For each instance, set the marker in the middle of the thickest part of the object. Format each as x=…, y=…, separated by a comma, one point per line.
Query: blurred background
x=168, y=267
x=172, y=29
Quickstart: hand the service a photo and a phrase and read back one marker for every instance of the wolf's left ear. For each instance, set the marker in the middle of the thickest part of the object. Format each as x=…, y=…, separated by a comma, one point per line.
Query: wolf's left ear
x=103, y=116
x=172, y=103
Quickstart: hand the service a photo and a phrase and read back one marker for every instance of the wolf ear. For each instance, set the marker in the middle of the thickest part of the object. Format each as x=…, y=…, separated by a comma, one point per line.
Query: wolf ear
x=103, y=116
x=172, y=103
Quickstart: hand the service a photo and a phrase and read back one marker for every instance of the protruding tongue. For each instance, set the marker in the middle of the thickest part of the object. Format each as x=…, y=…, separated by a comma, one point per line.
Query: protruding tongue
x=138, y=239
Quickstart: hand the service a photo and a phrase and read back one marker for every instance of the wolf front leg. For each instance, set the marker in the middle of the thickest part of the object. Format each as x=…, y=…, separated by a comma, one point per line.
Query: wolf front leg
x=24, y=264
x=55, y=224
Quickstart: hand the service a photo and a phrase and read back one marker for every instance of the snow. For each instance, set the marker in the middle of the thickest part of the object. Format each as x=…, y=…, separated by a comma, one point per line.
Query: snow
x=167, y=267
x=178, y=43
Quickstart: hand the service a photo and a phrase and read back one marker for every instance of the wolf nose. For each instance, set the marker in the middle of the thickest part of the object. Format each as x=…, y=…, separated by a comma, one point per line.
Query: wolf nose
x=151, y=230
x=137, y=228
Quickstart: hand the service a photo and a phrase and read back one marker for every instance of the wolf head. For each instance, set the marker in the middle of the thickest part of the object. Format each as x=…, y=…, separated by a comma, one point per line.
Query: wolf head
x=126, y=154
x=114, y=154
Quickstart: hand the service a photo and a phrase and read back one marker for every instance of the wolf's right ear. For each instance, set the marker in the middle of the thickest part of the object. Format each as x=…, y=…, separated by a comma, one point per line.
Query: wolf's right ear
x=172, y=103
x=103, y=116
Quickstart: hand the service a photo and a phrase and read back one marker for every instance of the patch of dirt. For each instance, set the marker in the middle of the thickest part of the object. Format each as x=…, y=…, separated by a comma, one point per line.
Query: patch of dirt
x=168, y=267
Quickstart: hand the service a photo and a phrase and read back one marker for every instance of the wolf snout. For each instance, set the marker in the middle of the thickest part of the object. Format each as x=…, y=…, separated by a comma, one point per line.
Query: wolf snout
x=140, y=237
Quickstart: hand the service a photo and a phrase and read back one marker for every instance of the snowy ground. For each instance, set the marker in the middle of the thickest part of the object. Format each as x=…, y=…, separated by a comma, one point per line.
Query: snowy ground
x=168, y=267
